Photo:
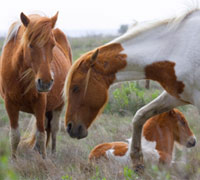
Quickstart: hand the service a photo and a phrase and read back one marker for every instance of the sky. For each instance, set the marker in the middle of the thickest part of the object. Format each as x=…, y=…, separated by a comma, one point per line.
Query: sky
x=86, y=15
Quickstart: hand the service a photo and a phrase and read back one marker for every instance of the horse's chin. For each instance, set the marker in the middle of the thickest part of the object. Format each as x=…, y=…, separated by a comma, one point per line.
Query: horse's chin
x=42, y=91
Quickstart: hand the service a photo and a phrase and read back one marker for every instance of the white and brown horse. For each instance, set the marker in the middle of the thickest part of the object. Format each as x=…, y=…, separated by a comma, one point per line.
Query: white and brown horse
x=166, y=51
x=34, y=64
x=160, y=133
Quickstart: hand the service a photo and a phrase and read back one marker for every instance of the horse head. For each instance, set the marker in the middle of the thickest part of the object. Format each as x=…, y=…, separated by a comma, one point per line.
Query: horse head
x=38, y=43
x=87, y=87
x=181, y=130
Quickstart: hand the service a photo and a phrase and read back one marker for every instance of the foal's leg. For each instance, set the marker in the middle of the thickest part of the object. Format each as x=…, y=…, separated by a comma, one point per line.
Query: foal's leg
x=55, y=128
x=161, y=104
x=40, y=108
x=13, y=114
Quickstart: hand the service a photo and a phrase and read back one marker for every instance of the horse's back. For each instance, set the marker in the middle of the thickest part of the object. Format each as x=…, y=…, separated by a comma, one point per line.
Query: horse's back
x=62, y=40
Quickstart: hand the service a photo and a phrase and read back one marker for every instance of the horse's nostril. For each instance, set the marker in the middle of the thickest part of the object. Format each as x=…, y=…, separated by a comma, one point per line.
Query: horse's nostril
x=80, y=129
x=39, y=81
x=69, y=127
x=191, y=143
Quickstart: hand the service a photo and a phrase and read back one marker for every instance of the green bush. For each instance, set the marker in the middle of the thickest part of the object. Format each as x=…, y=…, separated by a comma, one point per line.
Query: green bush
x=6, y=173
x=129, y=97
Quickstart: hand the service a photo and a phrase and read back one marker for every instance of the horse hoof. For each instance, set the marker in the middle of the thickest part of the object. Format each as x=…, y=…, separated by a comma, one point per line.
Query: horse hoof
x=139, y=169
x=13, y=158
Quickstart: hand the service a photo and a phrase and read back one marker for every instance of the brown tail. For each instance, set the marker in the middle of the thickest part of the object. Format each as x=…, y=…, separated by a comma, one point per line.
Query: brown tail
x=28, y=139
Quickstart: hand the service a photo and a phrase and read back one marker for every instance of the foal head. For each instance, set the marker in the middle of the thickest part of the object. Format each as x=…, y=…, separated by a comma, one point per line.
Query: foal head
x=87, y=87
x=181, y=130
x=38, y=42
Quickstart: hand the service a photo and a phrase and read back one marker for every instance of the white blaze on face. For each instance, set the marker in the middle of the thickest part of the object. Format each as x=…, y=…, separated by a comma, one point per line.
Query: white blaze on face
x=43, y=54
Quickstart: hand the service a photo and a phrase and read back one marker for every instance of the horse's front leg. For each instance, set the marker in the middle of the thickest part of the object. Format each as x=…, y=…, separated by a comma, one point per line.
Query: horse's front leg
x=39, y=110
x=13, y=113
x=162, y=103
x=54, y=128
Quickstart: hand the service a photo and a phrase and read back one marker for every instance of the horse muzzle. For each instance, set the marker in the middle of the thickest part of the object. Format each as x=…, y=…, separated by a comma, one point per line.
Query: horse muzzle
x=76, y=131
x=191, y=142
x=42, y=86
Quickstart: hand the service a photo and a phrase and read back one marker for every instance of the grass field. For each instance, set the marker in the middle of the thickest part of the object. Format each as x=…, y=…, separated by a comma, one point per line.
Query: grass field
x=71, y=159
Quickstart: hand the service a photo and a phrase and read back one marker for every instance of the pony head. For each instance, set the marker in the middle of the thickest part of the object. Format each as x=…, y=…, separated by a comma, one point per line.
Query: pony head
x=181, y=130
x=87, y=87
x=38, y=42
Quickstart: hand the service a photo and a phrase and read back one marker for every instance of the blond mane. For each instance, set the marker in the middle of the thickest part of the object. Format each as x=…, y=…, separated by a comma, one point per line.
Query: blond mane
x=12, y=32
x=70, y=75
x=172, y=21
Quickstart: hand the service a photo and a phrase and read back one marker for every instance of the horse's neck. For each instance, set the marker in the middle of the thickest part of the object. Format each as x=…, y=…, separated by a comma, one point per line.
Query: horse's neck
x=162, y=135
x=160, y=43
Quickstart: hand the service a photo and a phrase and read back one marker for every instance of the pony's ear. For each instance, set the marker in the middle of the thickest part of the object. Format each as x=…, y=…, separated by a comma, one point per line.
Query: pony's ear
x=54, y=19
x=94, y=57
x=172, y=112
x=25, y=20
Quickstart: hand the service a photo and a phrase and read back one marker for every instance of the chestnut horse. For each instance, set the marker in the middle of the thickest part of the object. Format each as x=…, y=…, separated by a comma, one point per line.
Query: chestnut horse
x=166, y=51
x=159, y=136
x=34, y=64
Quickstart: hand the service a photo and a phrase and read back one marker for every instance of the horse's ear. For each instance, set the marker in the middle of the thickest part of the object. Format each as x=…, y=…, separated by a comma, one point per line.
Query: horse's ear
x=94, y=57
x=54, y=19
x=172, y=112
x=25, y=20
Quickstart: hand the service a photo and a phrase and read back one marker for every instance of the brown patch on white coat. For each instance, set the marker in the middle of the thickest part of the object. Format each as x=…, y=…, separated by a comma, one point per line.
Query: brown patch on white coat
x=164, y=73
x=164, y=129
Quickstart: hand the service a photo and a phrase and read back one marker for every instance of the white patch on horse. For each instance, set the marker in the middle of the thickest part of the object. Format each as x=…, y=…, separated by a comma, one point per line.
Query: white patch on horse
x=149, y=151
x=43, y=54
x=121, y=159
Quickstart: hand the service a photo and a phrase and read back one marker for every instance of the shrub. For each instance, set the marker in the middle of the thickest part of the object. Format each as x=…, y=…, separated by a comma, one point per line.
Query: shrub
x=128, y=98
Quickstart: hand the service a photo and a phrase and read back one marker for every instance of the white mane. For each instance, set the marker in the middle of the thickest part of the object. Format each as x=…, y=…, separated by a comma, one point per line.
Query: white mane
x=189, y=7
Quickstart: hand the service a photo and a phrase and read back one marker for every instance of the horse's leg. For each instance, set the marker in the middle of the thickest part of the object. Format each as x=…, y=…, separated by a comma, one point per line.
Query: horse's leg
x=161, y=104
x=13, y=114
x=55, y=128
x=48, y=118
x=40, y=108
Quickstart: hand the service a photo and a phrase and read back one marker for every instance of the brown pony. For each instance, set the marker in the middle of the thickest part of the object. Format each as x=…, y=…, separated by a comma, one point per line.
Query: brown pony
x=160, y=133
x=34, y=64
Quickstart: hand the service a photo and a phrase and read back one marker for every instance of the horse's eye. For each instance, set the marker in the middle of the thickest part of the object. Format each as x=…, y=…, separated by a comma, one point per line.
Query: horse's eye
x=31, y=46
x=75, y=89
x=182, y=122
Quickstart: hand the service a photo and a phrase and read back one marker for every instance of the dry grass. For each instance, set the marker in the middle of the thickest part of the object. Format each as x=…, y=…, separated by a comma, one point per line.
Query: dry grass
x=70, y=161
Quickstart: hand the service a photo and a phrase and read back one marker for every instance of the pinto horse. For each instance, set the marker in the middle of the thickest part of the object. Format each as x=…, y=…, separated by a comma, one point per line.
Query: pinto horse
x=160, y=133
x=34, y=64
x=164, y=50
